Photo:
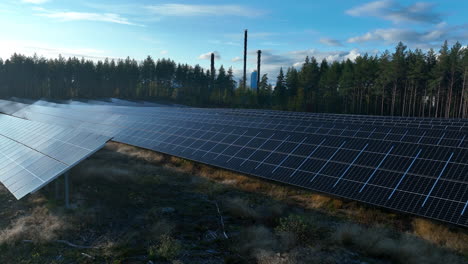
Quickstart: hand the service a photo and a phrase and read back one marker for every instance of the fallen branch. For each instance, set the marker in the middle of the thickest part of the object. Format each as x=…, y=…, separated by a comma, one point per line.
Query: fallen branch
x=88, y=256
x=74, y=245
x=221, y=219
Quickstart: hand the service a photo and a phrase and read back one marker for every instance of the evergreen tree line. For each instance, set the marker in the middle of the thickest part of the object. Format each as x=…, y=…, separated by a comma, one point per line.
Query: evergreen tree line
x=404, y=83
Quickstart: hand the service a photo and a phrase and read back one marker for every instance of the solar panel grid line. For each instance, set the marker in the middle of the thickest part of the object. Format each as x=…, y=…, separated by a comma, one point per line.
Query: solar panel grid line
x=437, y=180
x=349, y=166
x=323, y=183
x=66, y=169
x=188, y=138
x=270, y=153
x=16, y=183
x=326, y=163
x=399, y=134
x=33, y=149
x=12, y=160
x=289, y=154
x=237, y=138
x=45, y=141
x=415, y=193
x=199, y=138
x=404, y=175
x=461, y=141
x=367, y=117
x=243, y=146
x=258, y=148
x=372, y=152
x=204, y=143
x=175, y=137
x=307, y=114
x=408, y=124
x=307, y=158
x=464, y=208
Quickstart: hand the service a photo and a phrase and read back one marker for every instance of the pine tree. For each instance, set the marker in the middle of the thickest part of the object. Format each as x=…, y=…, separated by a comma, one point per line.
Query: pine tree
x=280, y=91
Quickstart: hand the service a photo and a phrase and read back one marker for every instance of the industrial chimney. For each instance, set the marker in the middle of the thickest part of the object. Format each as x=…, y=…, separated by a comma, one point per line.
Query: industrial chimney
x=212, y=67
x=259, y=60
x=212, y=77
x=245, y=60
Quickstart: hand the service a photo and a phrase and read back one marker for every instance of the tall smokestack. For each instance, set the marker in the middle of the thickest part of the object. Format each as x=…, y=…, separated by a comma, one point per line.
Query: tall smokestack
x=212, y=77
x=212, y=65
x=245, y=59
x=259, y=60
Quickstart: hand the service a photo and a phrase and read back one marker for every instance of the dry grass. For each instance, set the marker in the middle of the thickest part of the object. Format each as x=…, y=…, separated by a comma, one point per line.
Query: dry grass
x=168, y=248
x=441, y=235
x=240, y=207
x=270, y=257
x=396, y=247
x=255, y=238
x=131, y=151
x=40, y=226
x=122, y=195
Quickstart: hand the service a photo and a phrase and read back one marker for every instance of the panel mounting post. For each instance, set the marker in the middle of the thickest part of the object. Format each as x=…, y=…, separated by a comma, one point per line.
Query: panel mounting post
x=57, y=189
x=67, y=191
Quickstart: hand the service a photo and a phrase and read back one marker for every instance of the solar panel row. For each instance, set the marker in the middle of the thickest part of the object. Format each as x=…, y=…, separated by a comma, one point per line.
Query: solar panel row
x=424, y=174
x=432, y=123
x=32, y=154
x=144, y=118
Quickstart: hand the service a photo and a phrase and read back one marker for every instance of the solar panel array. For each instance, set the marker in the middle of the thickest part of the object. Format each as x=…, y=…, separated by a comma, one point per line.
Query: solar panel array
x=33, y=154
x=397, y=163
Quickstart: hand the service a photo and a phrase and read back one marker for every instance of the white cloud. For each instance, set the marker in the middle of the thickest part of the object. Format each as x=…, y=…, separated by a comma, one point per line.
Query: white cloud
x=421, y=12
x=330, y=42
x=7, y=48
x=164, y=52
x=36, y=2
x=204, y=10
x=327, y=55
x=273, y=60
x=207, y=56
x=434, y=36
x=236, y=59
x=85, y=16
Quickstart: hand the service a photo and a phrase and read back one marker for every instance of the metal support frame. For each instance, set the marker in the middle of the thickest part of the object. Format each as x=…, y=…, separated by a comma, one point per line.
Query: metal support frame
x=67, y=191
x=57, y=189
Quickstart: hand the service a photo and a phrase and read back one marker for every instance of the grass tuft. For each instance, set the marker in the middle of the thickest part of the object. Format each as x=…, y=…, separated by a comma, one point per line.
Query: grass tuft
x=168, y=248
x=398, y=248
x=40, y=226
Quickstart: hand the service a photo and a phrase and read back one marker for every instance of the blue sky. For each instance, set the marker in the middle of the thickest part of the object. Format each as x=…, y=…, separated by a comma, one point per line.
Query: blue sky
x=186, y=31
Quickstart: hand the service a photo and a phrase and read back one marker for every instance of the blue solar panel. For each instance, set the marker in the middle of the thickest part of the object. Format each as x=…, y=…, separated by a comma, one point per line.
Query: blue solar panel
x=32, y=154
x=393, y=165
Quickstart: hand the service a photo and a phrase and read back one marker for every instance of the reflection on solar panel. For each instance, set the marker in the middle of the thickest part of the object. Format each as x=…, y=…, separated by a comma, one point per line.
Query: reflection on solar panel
x=392, y=164
x=33, y=154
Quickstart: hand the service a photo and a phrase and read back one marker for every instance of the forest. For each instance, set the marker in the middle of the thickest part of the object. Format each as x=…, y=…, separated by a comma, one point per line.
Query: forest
x=404, y=82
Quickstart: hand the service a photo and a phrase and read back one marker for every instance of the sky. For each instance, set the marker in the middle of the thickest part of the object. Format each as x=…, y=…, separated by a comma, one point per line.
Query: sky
x=188, y=31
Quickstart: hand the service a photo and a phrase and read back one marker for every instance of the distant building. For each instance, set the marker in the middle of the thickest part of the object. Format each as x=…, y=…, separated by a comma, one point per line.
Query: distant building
x=253, y=80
